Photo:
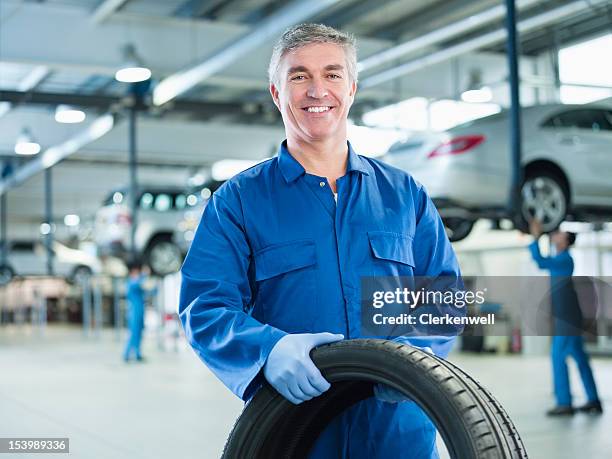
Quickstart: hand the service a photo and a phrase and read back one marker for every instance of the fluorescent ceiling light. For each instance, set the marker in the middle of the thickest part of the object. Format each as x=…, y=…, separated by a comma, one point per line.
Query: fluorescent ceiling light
x=26, y=145
x=45, y=229
x=133, y=70
x=132, y=74
x=410, y=114
x=477, y=96
x=69, y=115
x=227, y=168
x=72, y=220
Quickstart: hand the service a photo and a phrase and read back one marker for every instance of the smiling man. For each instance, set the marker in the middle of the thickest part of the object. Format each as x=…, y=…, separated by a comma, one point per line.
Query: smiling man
x=276, y=263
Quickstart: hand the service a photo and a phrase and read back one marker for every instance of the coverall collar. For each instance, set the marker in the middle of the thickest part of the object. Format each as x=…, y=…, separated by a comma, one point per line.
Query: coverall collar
x=292, y=169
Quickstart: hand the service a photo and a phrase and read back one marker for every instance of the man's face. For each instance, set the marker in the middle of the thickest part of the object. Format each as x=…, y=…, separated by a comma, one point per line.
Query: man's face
x=314, y=92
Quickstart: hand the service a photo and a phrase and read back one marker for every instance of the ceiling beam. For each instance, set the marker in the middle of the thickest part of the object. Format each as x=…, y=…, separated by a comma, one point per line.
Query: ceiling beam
x=256, y=15
x=166, y=44
x=479, y=42
x=105, y=9
x=437, y=36
x=197, y=8
x=252, y=112
x=53, y=155
x=352, y=12
x=36, y=76
x=415, y=21
x=269, y=28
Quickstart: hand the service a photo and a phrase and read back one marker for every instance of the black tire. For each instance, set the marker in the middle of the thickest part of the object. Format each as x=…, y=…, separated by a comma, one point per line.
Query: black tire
x=6, y=274
x=554, y=186
x=79, y=274
x=163, y=256
x=471, y=422
x=457, y=228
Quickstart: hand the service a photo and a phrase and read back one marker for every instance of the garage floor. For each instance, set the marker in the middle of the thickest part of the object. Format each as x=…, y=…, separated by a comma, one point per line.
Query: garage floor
x=60, y=384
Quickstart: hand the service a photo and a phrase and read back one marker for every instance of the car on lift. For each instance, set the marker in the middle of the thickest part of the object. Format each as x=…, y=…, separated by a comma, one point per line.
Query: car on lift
x=566, y=163
x=160, y=209
x=29, y=258
x=187, y=226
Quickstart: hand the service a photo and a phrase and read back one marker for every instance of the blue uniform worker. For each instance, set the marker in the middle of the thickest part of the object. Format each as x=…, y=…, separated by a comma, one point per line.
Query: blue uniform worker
x=135, y=295
x=275, y=254
x=567, y=326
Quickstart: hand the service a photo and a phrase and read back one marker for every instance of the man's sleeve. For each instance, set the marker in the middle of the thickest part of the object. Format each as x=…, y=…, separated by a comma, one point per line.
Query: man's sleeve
x=543, y=262
x=215, y=298
x=435, y=259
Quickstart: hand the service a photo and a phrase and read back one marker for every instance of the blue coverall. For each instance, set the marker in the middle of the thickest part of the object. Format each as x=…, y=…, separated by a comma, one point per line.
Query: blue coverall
x=275, y=254
x=136, y=307
x=567, y=326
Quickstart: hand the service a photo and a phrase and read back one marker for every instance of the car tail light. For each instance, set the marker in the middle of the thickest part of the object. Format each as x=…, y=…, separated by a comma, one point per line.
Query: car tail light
x=457, y=145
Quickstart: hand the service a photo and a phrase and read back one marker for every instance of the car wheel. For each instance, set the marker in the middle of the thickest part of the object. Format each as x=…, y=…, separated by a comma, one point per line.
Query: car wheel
x=471, y=422
x=544, y=197
x=457, y=228
x=6, y=274
x=80, y=275
x=163, y=256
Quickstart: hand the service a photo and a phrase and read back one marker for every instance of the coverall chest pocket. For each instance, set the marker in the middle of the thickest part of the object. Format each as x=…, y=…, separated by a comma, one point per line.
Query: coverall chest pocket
x=392, y=253
x=286, y=281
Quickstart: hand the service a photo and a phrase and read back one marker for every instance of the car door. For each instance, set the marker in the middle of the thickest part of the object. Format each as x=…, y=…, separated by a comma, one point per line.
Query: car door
x=594, y=135
x=24, y=259
x=582, y=138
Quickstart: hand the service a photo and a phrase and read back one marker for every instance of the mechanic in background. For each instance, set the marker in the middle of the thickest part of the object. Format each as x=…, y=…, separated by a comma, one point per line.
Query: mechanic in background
x=567, y=323
x=136, y=293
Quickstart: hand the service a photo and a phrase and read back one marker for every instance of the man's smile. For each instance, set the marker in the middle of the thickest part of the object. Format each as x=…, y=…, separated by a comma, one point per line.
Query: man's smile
x=318, y=108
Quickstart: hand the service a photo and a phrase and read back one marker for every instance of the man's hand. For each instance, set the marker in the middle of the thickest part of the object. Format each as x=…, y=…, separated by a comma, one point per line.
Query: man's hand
x=290, y=370
x=535, y=228
x=387, y=394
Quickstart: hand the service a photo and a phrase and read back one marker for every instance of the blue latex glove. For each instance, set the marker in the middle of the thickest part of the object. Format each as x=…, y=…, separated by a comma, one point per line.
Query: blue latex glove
x=385, y=393
x=290, y=370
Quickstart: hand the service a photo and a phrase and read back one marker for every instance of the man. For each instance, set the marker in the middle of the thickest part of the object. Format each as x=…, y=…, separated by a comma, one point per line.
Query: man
x=135, y=295
x=567, y=323
x=275, y=266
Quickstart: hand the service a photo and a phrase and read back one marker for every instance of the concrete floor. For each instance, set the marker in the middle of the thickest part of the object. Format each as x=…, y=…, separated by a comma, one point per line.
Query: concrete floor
x=60, y=384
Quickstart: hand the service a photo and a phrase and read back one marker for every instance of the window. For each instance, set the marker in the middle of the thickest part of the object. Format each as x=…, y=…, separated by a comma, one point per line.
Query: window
x=180, y=201
x=589, y=119
x=22, y=246
x=163, y=202
x=146, y=201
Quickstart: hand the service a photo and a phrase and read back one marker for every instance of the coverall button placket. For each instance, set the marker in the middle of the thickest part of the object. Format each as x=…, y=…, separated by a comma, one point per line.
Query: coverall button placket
x=340, y=183
x=318, y=186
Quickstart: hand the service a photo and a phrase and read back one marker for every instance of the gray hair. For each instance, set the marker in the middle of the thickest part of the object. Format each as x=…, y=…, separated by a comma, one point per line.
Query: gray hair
x=305, y=34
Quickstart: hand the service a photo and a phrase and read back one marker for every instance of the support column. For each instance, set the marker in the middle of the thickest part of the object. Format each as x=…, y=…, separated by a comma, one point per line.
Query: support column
x=515, y=112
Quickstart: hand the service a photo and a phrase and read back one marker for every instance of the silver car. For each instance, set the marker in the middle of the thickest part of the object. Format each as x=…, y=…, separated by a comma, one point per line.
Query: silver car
x=160, y=209
x=29, y=258
x=566, y=162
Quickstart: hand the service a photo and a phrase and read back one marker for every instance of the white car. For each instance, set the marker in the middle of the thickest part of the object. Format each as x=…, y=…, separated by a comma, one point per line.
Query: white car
x=160, y=209
x=566, y=162
x=29, y=258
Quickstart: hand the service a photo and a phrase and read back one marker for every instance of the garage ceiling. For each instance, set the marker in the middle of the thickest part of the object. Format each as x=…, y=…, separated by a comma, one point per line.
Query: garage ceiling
x=74, y=49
